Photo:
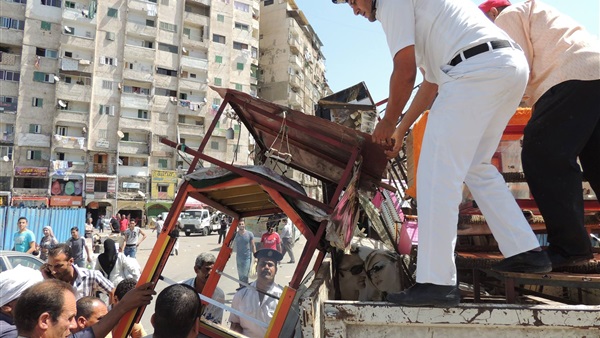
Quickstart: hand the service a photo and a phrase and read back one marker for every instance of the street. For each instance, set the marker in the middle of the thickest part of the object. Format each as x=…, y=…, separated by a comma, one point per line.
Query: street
x=181, y=267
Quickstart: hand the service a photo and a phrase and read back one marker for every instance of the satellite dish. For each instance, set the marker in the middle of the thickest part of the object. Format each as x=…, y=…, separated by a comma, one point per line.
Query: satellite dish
x=67, y=29
x=84, y=130
x=119, y=161
x=183, y=49
x=204, y=99
x=5, y=158
x=141, y=194
x=56, y=78
x=62, y=103
x=120, y=134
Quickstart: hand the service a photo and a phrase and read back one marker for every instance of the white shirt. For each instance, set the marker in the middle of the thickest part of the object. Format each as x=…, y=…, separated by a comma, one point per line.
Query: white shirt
x=125, y=267
x=211, y=312
x=287, y=230
x=131, y=237
x=247, y=301
x=439, y=30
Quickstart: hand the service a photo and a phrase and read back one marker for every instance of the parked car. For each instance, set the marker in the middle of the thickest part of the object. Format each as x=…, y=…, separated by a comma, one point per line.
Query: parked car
x=198, y=221
x=10, y=259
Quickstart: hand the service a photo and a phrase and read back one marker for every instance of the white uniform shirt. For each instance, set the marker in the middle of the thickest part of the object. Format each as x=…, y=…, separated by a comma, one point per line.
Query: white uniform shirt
x=439, y=30
x=211, y=312
x=247, y=301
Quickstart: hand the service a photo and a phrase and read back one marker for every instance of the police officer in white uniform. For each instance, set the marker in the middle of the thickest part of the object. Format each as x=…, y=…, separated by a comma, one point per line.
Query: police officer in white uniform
x=477, y=76
x=256, y=301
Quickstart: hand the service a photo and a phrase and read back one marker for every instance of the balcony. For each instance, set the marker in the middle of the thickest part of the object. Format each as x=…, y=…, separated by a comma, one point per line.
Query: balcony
x=76, y=15
x=134, y=123
x=295, y=45
x=140, y=6
x=103, y=168
x=81, y=42
x=164, y=104
x=10, y=61
x=17, y=10
x=195, y=85
x=73, y=91
x=133, y=148
x=296, y=61
x=33, y=140
x=191, y=108
x=141, y=29
x=11, y=36
x=136, y=101
x=69, y=64
x=191, y=129
x=165, y=81
x=6, y=167
x=134, y=53
x=125, y=170
x=6, y=138
x=194, y=63
x=295, y=81
x=70, y=142
x=65, y=167
x=196, y=19
x=168, y=60
x=195, y=43
x=79, y=117
x=294, y=99
x=141, y=75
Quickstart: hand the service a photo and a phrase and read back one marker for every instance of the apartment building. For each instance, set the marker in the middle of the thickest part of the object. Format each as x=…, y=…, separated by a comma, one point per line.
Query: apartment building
x=291, y=65
x=87, y=89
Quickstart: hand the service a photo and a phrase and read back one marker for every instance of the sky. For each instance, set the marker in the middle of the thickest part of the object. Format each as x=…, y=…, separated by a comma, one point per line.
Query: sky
x=356, y=50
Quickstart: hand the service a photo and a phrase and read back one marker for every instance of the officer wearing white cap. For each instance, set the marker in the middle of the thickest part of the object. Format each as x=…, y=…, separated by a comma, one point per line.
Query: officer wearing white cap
x=259, y=299
x=12, y=284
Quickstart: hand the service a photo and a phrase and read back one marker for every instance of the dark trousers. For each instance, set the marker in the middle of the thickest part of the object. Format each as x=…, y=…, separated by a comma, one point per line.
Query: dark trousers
x=222, y=234
x=564, y=126
x=288, y=246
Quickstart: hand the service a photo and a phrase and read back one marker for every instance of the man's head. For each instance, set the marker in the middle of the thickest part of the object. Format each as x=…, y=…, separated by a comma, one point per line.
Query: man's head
x=60, y=262
x=75, y=232
x=176, y=312
x=47, y=309
x=89, y=311
x=131, y=225
x=12, y=283
x=492, y=8
x=365, y=8
x=124, y=286
x=22, y=224
x=241, y=225
x=204, y=264
x=266, y=268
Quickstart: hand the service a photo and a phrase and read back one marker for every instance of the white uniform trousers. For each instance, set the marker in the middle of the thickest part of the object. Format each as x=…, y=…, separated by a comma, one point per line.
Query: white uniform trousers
x=464, y=128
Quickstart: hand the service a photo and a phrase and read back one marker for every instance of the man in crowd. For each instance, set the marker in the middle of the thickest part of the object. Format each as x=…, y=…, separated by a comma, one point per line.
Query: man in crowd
x=126, y=285
x=203, y=267
x=176, y=313
x=158, y=225
x=563, y=88
x=257, y=300
x=131, y=239
x=476, y=74
x=245, y=248
x=48, y=309
x=12, y=283
x=114, y=224
x=24, y=239
x=271, y=239
x=86, y=282
x=123, y=223
x=287, y=240
x=89, y=311
x=77, y=245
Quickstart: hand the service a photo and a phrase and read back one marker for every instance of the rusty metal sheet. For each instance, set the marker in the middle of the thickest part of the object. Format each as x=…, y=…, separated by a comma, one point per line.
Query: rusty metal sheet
x=319, y=148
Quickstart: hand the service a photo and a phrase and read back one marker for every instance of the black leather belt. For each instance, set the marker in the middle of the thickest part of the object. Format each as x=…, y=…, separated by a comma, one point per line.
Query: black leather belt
x=482, y=48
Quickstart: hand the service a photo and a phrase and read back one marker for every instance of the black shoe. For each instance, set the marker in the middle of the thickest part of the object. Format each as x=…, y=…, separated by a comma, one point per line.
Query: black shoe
x=291, y=262
x=426, y=294
x=560, y=261
x=525, y=262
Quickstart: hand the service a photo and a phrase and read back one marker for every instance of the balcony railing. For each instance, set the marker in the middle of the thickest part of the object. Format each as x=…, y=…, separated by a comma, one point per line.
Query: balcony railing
x=103, y=168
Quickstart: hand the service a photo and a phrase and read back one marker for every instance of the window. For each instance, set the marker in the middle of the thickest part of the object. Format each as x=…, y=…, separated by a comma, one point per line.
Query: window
x=254, y=53
x=242, y=26
x=218, y=38
x=61, y=156
x=105, y=60
x=183, y=96
x=107, y=84
x=150, y=23
x=168, y=48
x=107, y=110
x=69, y=4
x=164, y=71
x=193, y=76
x=6, y=151
x=240, y=6
x=268, y=2
x=113, y=12
x=187, y=32
x=35, y=129
x=43, y=77
x=12, y=23
x=49, y=53
x=61, y=130
x=240, y=46
x=162, y=164
x=37, y=102
x=46, y=26
x=182, y=140
x=161, y=187
x=169, y=27
x=181, y=119
x=165, y=92
x=68, y=54
x=31, y=183
x=142, y=114
x=240, y=66
x=164, y=2
x=238, y=86
x=218, y=59
x=217, y=101
x=218, y=81
x=136, y=90
x=53, y=3
x=254, y=71
x=220, y=17
x=148, y=44
x=34, y=154
x=102, y=133
x=100, y=186
x=10, y=75
x=110, y=36
x=214, y=145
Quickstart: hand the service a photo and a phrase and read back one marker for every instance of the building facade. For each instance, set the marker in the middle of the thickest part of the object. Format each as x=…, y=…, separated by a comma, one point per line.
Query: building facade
x=87, y=89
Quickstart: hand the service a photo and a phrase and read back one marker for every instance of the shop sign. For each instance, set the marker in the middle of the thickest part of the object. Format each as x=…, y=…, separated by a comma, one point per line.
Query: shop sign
x=30, y=201
x=164, y=176
x=131, y=185
x=89, y=184
x=66, y=201
x=112, y=186
x=102, y=143
x=31, y=171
